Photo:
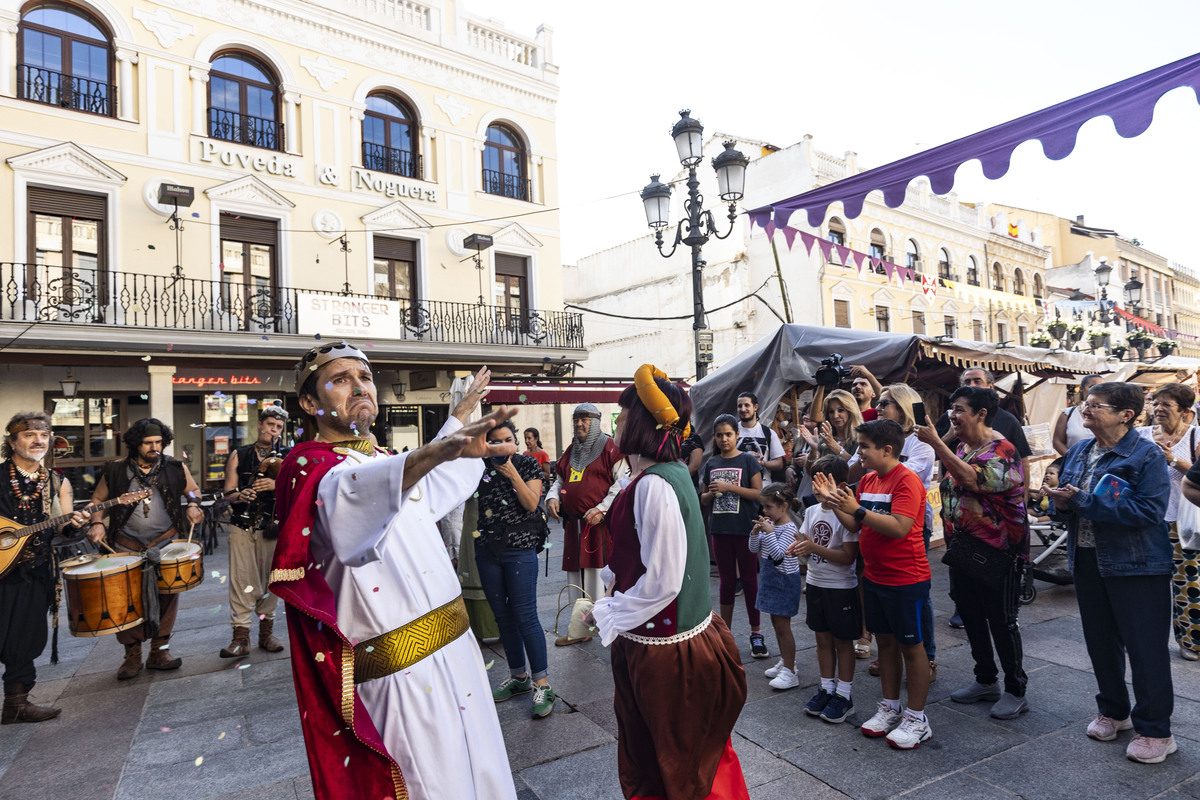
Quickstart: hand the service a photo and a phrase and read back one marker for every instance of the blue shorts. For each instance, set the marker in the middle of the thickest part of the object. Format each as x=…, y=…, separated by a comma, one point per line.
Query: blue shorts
x=835, y=611
x=895, y=610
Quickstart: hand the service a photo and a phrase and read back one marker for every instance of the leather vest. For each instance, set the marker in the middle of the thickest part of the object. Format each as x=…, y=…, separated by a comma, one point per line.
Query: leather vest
x=171, y=484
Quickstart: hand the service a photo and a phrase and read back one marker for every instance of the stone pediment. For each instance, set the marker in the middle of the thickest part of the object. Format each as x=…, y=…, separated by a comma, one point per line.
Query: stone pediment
x=250, y=190
x=66, y=159
x=395, y=216
x=516, y=236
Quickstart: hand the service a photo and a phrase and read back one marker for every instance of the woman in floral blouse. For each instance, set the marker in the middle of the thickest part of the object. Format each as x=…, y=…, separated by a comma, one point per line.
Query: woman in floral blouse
x=984, y=499
x=512, y=531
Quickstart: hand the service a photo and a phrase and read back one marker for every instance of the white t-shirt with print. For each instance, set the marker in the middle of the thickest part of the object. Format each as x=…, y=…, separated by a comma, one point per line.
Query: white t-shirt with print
x=823, y=527
x=756, y=439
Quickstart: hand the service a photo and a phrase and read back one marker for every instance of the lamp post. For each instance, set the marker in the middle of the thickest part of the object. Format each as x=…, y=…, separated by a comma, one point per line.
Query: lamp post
x=1103, y=274
x=698, y=225
x=1133, y=297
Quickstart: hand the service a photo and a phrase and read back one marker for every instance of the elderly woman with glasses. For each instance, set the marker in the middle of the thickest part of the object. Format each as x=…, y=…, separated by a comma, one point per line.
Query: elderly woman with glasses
x=1114, y=489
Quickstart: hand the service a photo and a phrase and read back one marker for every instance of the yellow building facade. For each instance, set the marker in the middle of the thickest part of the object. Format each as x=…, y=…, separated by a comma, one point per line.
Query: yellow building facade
x=193, y=192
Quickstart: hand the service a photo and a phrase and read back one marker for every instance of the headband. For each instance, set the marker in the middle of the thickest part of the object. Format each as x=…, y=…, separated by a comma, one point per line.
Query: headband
x=152, y=430
x=23, y=425
x=655, y=400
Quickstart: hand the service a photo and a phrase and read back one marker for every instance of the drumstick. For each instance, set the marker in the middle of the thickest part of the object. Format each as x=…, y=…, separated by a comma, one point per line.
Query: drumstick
x=107, y=546
x=190, y=530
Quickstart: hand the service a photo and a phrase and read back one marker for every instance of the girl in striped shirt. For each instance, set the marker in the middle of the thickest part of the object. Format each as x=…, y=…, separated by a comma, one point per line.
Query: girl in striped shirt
x=779, y=579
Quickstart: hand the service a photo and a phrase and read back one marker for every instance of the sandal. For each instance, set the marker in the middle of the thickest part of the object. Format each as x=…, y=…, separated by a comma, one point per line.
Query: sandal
x=862, y=648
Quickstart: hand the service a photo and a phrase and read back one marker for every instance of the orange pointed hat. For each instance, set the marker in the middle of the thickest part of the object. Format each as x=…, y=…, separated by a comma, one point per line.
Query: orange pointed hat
x=656, y=401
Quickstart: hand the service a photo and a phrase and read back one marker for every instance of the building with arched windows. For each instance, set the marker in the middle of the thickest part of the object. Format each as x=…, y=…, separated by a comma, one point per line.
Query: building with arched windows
x=192, y=191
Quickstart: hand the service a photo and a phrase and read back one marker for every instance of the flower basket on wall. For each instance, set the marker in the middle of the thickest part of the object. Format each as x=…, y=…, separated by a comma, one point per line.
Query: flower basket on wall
x=1057, y=329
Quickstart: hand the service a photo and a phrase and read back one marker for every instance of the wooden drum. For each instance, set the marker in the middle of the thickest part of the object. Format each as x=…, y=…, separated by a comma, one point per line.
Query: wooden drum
x=181, y=568
x=104, y=593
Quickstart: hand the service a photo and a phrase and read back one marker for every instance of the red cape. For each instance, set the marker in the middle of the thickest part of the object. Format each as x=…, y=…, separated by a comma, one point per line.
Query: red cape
x=346, y=754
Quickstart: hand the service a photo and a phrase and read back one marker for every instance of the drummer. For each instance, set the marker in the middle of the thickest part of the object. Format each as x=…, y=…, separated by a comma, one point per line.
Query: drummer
x=252, y=533
x=144, y=528
x=31, y=493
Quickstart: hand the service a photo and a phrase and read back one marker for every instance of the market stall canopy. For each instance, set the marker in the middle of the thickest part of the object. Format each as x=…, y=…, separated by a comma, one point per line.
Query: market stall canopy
x=1130, y=103
x=790, y=357
x=556, y=390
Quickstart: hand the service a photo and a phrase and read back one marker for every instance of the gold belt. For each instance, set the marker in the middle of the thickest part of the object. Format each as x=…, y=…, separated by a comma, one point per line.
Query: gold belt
x=399, y=649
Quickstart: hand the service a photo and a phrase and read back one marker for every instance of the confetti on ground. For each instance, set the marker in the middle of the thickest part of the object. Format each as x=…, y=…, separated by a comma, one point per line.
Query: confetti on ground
x=243, y=666
x=216, y=574
x=489, y=664
x=165, y=730
x=222, y=736
x=199, y=761
x=222, y=579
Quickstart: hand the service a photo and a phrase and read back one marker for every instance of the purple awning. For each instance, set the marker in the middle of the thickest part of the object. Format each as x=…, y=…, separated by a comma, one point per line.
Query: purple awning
x=1130, y=103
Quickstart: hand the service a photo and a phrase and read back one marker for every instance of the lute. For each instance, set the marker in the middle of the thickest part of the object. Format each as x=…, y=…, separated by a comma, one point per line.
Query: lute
x=13, y=536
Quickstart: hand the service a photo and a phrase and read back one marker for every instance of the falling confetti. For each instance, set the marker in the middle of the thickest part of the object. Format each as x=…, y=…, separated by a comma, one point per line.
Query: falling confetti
x=320, y=412
x=489, y=664
x=371, y=648
x=428, y=690
x=145, y=358
x=170, y=347
x=306, y=531
x=376, y=589
x=346, y=763
x=243, y=666
x=265, y=339
x=317, y=336
x=319, y=657
x=521, y=397
x=248, y=589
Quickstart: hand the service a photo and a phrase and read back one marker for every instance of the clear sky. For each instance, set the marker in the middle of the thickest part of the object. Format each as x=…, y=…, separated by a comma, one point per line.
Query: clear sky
x=885, y=79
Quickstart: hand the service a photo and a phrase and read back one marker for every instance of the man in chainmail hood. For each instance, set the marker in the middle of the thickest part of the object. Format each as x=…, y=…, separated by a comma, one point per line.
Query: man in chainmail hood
x=585, y=483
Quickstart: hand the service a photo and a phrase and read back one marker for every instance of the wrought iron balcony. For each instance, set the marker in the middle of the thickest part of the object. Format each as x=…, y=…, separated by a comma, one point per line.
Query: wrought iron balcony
x=66, y=91
x=505, y=185
x=245, y=129
x=379, y=158
x=34, y=293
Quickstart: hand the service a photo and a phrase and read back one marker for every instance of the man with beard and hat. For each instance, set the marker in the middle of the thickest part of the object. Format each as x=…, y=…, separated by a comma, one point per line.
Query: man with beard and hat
x=586, y=480
x=393, y=697
x=146, y=528
x=32, y=494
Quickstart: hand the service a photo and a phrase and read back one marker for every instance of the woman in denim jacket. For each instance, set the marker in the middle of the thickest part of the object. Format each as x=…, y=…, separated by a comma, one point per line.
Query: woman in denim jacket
x=1120, y=555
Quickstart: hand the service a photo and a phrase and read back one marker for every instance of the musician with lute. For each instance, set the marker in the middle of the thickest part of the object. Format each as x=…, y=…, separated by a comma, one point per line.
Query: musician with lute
x=31, y=494
x=251, y=471
x=146, y=528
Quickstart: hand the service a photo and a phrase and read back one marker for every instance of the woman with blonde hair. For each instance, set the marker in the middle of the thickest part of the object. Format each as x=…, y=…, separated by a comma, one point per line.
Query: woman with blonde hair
x=835, y=434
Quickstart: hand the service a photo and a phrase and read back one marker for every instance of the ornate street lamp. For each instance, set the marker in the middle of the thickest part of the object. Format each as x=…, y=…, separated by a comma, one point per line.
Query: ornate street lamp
x=1103, y=274
x=1133, y=296
x=69, y=386
x=696, y=228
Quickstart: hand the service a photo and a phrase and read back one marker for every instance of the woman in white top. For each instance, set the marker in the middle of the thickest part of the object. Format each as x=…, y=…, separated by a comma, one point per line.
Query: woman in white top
x=1172, y=430
x=1068, y=429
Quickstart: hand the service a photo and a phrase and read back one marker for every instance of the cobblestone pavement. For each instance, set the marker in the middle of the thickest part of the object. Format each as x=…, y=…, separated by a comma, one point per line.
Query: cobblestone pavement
x=142, y=738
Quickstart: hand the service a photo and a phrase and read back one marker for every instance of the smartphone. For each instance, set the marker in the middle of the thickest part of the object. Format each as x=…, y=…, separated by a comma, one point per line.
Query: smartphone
x=919, y=413
x=1110, y=485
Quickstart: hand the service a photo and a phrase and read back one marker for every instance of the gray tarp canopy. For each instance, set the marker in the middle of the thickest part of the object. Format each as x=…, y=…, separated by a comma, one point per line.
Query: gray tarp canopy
x=931, y=365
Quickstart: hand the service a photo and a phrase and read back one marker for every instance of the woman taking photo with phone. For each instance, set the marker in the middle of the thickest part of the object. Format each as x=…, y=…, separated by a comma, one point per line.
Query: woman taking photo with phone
x=512, y=531
x=1115, y=490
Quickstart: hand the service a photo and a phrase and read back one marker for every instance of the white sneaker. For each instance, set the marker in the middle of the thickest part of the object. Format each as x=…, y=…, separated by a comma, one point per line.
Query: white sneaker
x=884, y=720
x=771, y=672
x=909, y=734
x=786, y=679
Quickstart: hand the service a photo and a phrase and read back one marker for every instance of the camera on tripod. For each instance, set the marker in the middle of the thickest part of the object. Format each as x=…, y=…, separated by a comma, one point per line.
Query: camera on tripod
x=831, y=372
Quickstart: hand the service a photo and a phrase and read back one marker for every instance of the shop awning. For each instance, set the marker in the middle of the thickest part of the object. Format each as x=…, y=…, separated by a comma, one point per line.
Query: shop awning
x=562, y=390
x=1130, y=103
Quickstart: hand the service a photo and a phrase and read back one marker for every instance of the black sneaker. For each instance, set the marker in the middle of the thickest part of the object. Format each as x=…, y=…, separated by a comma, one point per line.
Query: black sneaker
x=758, y=646
x=956, y=621
x=817, y=704
x=837, y=708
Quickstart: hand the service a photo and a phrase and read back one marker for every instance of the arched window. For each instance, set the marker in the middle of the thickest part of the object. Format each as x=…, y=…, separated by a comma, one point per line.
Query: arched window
x=837, y=231
x=1018, y=281
x=1038, y=294
x=972, y=271
x=997, y=277
x=243, y=102
x=878, y=248
x=390, y=136
x=912, y=255
x=504, y=158
x=944, y=264
x=65, y=60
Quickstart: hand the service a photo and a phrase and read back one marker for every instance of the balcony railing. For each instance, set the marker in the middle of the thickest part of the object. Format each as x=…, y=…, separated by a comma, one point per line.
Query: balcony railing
x=379, y=158
x=245, y=129
x=33, y=293
x=505, y=185
x=66, y=91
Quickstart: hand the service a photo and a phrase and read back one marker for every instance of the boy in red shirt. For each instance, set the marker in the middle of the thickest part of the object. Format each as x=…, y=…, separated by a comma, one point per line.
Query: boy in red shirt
x=889, y=515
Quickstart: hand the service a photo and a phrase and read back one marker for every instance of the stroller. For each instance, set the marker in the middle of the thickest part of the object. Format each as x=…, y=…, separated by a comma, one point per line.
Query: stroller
x=1051, y=564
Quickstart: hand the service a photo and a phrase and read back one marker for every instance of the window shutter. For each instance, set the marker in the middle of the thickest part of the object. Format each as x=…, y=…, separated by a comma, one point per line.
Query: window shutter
x=395, y=249
x=841, y=314
x=239, y=228
x=511, y=265
x=66, y=204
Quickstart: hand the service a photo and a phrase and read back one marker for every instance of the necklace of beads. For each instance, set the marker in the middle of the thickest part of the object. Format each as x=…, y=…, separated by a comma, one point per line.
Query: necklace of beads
x=26, y=502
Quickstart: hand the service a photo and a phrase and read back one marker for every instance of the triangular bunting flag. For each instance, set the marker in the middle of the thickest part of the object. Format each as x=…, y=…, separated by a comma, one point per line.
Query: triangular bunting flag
x=771, y=229
x=826, y=248
x=809, y=240
x=789, y=236
x=843, y=252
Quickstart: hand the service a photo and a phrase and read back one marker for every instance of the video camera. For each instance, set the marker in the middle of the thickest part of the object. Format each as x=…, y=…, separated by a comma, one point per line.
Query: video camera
x=831, y=372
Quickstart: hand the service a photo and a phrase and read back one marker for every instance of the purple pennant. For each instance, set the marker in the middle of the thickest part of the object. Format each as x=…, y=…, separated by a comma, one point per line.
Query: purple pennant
x=771, y=229
x=809, y=240
x=889, y=268
x=1129, y=103
x=843, y=252
x=789, y=236
x=826, y=248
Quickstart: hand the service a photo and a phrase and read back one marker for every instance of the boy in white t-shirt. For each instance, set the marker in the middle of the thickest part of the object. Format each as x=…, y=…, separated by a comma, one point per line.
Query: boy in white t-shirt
x=834, y=609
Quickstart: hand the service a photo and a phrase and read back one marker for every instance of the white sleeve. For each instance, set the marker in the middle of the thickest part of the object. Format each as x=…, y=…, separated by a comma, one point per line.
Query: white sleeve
x=363, y=498
x=620, y=470
x=920, y=460
x=663, y=551
x=555, y=488
x=775, y=448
